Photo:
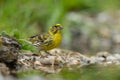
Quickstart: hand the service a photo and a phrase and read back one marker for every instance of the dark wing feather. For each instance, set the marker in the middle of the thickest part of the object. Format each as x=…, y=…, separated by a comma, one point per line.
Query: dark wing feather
x=44, y=39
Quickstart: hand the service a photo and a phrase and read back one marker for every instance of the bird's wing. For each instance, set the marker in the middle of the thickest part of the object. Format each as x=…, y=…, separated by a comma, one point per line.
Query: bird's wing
x=45, y=39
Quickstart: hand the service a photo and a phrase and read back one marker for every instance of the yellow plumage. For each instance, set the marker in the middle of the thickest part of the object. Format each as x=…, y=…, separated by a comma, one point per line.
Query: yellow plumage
x=49, y=40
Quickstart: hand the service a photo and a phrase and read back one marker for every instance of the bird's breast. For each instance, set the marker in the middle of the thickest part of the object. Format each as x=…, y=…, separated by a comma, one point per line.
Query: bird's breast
x=56, y=40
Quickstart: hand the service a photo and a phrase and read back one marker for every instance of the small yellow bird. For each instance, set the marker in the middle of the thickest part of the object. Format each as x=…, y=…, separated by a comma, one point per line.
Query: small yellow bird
x=49, y=40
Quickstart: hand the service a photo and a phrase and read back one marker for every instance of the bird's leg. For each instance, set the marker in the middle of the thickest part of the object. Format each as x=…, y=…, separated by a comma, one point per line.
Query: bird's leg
x=48, y=53
x=41, y=53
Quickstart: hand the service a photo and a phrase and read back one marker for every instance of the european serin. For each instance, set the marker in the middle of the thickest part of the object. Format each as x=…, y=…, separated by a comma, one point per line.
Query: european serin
x=49, y=40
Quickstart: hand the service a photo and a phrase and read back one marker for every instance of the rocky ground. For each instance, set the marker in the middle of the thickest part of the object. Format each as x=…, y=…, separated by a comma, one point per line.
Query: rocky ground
x=14, y=60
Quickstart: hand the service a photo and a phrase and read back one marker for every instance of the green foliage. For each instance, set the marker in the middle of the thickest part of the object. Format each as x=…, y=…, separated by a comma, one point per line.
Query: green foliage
x=3, y=33
x=26, y=45
x=21, y=15
x=16, y=34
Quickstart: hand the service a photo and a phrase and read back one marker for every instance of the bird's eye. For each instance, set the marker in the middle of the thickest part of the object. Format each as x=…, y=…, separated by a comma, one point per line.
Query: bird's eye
x=55, y=26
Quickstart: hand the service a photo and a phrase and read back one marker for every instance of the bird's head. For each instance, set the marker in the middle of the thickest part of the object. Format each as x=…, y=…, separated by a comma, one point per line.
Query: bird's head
x=55, y=29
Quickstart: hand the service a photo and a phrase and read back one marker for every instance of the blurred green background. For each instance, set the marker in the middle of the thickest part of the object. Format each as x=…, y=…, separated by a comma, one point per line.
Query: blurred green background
x=90, y=26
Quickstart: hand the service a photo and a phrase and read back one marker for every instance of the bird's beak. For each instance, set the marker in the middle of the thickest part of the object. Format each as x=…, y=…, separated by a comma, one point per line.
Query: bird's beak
x=60, y=28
